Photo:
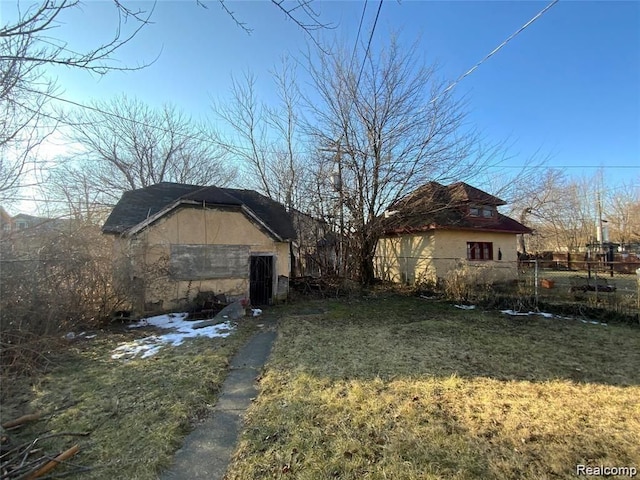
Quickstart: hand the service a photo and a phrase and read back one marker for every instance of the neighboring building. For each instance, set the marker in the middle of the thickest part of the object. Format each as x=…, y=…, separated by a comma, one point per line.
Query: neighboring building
x=24, y=235
x=438, y=228
x=173, y=240
x=22, y=221
x=6, y=222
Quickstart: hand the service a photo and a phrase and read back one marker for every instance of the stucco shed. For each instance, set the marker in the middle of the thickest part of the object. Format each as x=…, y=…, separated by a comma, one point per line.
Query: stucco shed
x=174, y=240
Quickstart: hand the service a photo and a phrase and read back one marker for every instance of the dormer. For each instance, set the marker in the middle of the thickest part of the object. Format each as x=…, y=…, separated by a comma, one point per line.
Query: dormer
x=486, y=212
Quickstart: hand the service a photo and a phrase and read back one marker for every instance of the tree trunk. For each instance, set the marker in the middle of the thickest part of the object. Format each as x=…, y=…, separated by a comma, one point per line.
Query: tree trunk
x=522, y=245
x=366, y=256
x=521, y=242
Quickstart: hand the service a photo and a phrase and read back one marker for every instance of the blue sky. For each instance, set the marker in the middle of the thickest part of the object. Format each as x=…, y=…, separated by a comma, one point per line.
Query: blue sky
x=568, y=85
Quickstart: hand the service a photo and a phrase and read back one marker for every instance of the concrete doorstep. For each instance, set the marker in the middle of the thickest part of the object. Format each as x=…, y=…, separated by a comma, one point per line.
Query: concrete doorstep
x=207, y=450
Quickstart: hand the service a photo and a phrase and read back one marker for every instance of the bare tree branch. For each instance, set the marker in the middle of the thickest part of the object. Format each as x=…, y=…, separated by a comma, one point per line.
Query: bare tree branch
x=25, y=41
x=300, y=12
x=392, y=129
x=129, y=145
x=26, y=47
x=224, y=6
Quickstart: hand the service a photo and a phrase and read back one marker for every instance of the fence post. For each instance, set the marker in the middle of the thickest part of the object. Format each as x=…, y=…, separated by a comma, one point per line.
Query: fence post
x=595, y=276
x=535, y=282
x=638, y=282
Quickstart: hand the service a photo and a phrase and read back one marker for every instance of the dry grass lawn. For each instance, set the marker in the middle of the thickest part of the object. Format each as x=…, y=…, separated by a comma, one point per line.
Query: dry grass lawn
x=134, y=413
x=392, y=387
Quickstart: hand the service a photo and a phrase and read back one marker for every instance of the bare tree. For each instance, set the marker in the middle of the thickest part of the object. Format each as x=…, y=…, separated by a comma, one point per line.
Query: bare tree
x=573, y=225
x=562, y=211
x=288, y=168
x=24, y=127
x=26, y=47
x=300, y=12
x=127, y=145
x=622, y=212
x=246, y=118
x=267, y=139
x=534, y=195
x=393, y=127
x=70, y=193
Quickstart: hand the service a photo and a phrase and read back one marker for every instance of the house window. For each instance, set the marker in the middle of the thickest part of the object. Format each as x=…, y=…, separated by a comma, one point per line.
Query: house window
x=484, y=212
x=479, y=251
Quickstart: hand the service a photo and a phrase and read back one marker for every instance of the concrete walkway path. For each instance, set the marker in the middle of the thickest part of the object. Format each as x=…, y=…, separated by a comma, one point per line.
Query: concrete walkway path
x=207, y=450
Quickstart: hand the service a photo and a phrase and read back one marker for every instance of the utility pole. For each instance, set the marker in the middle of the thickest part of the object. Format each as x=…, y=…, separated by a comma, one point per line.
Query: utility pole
x=598, y=239
x=599, y=222
x=338, y=186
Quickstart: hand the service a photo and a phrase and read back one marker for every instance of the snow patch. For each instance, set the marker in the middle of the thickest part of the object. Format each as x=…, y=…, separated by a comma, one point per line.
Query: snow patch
x=513, y=313
x=465, y=307
x=180, y=329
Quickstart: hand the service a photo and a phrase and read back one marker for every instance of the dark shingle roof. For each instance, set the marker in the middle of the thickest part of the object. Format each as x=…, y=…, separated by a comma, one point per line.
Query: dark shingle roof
x=435, y=206
x=463, y=192
x=135, y=206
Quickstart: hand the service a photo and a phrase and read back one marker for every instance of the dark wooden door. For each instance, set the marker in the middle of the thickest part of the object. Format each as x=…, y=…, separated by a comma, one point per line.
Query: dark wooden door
x=261, y=280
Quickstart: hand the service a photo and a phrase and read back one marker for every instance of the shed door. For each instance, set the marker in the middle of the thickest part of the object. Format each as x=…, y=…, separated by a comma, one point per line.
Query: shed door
x=261, y=280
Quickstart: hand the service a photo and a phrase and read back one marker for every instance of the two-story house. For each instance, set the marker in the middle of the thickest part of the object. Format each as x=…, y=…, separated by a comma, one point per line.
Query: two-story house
x=432, y=230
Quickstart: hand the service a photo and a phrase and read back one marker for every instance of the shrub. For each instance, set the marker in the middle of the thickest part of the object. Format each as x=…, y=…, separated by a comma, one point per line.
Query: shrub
x=52, y=282
x=468, y=282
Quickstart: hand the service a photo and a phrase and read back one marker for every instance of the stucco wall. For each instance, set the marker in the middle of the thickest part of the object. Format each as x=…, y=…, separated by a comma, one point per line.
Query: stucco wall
x=406, y=259
x=413, y=258
x=451, y=247
x=148, y=253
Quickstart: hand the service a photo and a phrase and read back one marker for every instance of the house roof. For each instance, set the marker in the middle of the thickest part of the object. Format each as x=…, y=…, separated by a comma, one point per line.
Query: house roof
x=42, y=223
x=463, y=192
x=435, y=206
x=136, y=207
x=4, y=216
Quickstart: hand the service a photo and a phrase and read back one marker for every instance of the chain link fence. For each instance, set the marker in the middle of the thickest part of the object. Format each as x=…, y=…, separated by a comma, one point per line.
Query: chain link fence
x=583, y=288
x=612, y=286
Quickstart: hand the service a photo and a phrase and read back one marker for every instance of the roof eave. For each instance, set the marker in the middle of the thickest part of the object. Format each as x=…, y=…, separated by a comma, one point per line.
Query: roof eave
x=259, y=221
x=426, y=228
x=156, y=216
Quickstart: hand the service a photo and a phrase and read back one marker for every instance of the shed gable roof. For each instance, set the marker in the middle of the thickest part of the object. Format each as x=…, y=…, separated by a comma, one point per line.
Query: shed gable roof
x=135, y=207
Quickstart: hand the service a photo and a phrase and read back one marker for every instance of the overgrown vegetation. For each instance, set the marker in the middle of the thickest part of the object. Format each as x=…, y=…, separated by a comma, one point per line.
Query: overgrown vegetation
x=53, y=281
x=128, y=417
x=478, y=284
x=393, y=387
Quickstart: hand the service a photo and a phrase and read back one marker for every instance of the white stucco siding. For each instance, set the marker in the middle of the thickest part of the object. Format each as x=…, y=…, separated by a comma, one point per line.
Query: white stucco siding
x=451, y=250
x=427, y=256
x=152, y=247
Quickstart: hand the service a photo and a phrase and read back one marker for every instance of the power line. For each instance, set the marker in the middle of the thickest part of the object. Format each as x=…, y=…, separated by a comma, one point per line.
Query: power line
x=132, y=120
x=355, y=45
x=496, y=50
x=604, y=167
x=110, y=114
x=204, y=139
x=366, y=53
